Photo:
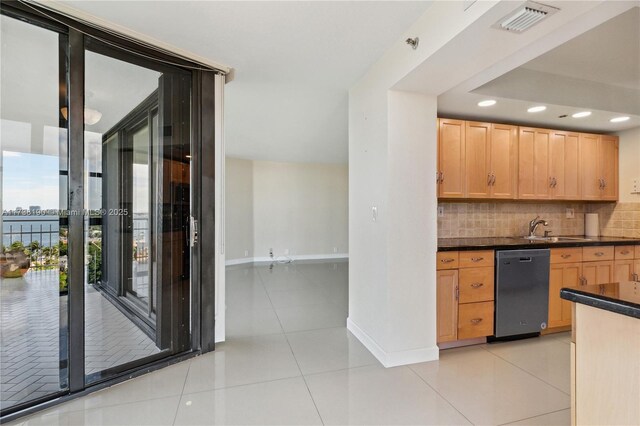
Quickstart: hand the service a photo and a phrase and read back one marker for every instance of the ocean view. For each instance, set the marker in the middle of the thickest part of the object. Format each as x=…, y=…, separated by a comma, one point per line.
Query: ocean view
x=44, y=229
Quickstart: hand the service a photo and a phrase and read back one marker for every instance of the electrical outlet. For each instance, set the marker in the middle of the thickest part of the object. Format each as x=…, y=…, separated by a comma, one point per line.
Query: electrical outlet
x=440, y=211
x=570, y=213
x=271, y=253
x=374, y=213
x=335, y=249
x=286, y=251
x=246, y=253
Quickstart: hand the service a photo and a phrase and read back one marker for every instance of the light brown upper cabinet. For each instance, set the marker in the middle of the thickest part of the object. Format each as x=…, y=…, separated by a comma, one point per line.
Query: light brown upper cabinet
x=564, y=166
x=609, y=167
x=533, y=164
x=478, y=160
x=599, y=167
x=504, y=161
x=451, y=158
x=494, y=161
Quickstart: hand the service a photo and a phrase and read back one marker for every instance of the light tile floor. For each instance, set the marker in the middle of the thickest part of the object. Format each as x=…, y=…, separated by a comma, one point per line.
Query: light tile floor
x=30, y=309
x=290, y=360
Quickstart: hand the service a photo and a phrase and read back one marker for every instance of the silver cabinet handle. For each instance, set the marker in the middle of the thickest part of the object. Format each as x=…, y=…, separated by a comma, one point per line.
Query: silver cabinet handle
x=437, y=177
x=493, y=179
x=555, y=182
x=565, y=256
x=599, y=254
x=476, y=321
x=636, y=277
x=625, y=252
x=441, y=177
x=489, y=179
x=583, y=281
x=550, y=182
x=447, y=260
x=477, y=285
x=477, y=259
x=457, y=293
x=604, y=183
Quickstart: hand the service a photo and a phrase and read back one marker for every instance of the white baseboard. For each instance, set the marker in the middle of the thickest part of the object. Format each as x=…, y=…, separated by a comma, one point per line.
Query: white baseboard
x=293, y=257
x=392, y=359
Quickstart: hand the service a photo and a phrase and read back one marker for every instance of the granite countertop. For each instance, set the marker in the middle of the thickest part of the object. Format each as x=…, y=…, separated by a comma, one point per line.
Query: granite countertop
x=621, y=298
x=516, y=243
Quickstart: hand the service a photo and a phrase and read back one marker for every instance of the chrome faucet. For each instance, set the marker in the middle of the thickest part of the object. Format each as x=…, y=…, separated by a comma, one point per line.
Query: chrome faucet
x=533, y=225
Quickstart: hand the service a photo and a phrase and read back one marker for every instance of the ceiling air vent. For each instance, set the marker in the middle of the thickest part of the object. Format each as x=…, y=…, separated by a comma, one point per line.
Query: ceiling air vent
x=525, y=17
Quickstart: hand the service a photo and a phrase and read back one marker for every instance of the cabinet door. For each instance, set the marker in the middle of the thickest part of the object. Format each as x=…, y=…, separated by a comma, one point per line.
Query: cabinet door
x=608, y=169
x=555, y=302
x=451, y=163
x=447, y=305
x=564, y=166
x=590, y=179
x=478, y=139
x=533, y=164
x=562, y=275
x=597, y=272
x=623, y=271
x=504, y=164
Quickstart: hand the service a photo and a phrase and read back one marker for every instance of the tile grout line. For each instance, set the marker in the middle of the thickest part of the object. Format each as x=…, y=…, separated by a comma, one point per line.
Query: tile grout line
x=439, y=394
x=184, y=384
x=528, y=372
x=533, y=417
x=293, y=354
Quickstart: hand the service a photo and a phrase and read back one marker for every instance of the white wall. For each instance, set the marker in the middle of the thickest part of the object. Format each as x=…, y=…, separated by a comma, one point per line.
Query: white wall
x=629, y=164
x=301, y=208
x=238, y=208
x=392, y=164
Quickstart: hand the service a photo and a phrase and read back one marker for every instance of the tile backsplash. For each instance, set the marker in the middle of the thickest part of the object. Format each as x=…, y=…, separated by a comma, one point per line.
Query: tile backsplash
x=618, y=220
x=510, y=219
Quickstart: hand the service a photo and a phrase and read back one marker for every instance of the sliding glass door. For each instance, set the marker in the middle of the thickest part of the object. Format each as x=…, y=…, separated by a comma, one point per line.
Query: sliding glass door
x=102, y=142
x=33, y=169
x=138, y=298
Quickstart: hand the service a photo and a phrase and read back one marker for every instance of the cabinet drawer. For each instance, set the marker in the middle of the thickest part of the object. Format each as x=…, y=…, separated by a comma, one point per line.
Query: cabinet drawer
x=592, y=254
x=476, y=284
x=566, y=255
x=624, y=252
x=637, y=252
x=447, y=260
x=475, y=259
x=475, y=320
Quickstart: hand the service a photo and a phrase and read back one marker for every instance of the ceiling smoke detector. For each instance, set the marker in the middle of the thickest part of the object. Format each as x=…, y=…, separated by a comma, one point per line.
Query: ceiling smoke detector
x=525, y=17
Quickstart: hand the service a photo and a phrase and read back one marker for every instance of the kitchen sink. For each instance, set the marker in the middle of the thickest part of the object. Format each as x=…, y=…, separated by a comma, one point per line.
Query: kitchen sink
x=555, y=239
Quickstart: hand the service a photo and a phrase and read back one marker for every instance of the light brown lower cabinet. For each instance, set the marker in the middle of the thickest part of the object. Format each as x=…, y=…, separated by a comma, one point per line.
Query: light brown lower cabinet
x=465, y=295
x=562, y=275
x=573, y=267
x=447, y=305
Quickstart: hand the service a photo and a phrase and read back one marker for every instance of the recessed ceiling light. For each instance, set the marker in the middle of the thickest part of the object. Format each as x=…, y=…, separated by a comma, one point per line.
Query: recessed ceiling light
x=581, y=114
x=537, y=108
x=487, y=103
x=619, y=119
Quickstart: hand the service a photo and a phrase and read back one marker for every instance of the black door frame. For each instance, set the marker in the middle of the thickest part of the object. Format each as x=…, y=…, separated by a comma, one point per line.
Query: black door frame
x=202, y=198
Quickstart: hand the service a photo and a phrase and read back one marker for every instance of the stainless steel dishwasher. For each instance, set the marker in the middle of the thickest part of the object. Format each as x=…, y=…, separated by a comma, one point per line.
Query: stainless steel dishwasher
x=522, y=292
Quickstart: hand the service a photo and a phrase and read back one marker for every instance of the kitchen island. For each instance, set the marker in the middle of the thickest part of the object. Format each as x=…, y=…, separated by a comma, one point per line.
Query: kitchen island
x=605, y=353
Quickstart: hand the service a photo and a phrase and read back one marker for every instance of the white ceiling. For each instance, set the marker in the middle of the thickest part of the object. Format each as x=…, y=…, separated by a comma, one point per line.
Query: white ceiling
x=294, y=63
x=599, y=71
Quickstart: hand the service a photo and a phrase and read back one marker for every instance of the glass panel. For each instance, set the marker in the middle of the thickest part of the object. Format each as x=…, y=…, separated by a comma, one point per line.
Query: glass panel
x=33, y=140
x=138, y=288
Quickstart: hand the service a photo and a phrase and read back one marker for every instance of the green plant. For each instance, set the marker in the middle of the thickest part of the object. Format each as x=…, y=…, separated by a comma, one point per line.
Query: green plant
x=64, y=284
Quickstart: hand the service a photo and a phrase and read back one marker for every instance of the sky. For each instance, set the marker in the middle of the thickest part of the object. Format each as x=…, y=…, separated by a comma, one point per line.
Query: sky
x=30, y=180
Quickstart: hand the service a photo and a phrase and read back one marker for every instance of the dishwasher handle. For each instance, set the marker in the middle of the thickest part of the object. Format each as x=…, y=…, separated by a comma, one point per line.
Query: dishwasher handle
x=526, y=259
